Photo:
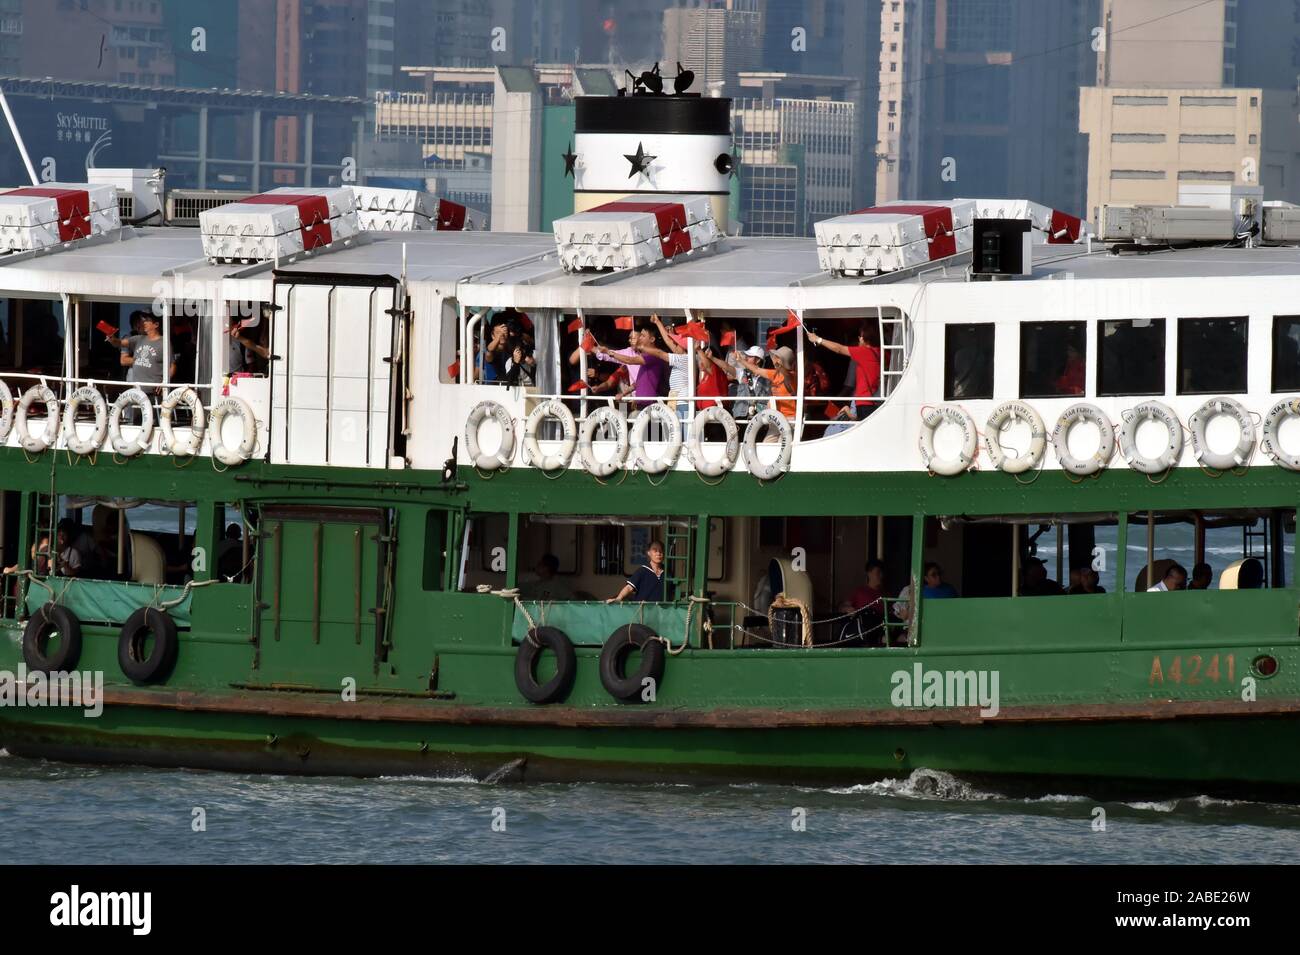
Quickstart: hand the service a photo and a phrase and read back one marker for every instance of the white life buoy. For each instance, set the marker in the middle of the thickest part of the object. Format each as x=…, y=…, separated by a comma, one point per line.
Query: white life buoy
x=553, y=408
x=669, y=424
x=731, y=452
x=1278, y=415
x=1133, y=420
x=1199, y=422
x=188, y=397
x=6, y=411
x=785, y=437
x=76, y=443
x=248, y=436
x=481, y=412
x=136, y=397
x=1076, y=414
x=1003, y=416
x=606, y=418
x=930, y=422
x=36, y=443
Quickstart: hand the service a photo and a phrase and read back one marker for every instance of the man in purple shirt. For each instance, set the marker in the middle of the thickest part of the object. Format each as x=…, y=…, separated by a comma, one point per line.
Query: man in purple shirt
x=653, y=370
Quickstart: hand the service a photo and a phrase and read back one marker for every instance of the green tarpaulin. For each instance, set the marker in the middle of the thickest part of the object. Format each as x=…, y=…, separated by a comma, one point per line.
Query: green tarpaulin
x=108, y=601
x=590, y=624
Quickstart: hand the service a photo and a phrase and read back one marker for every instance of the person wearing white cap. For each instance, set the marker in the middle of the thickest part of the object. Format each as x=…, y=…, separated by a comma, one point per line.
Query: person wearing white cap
x=784, y=382
x=748, y=384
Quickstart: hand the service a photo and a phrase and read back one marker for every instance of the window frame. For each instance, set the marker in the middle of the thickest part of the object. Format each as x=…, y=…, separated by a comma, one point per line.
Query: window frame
x=1024, y=328
x=1099, y=390
x=1273, y=355
x=947, y=356
x=1183, y=324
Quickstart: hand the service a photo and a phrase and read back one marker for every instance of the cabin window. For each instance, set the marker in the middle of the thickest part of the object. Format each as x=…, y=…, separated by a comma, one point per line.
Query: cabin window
x=1286, y=353
x=1052, y=357
x=435, y=549
x=968, y=361
x=149, y=542
x=235, y=542
x=10, y=558
x=31, y=339
x=1132, y=357
x=1241, y=549
x=1211, y=356
x=485, y=557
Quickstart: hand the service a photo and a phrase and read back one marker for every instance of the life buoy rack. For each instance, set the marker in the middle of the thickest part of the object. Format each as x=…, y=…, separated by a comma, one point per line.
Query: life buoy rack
x=188, y=397
x=480, y=413
x=35, y=444
x=1278, y=415
x=1003, y=415
x=668, y=423
x=1133, y=420
x=1076, y=414
x=1199, y=422
x=768, y=417
x=931, y=419
x=48, y=622
x=6, y=412
x=566, y=665
x=715, y=414
x=144, y=661
x=552, y=408
x=631, y=687
x=232, y=457
x=76, y=443
x=606, y=417
x=137, y=398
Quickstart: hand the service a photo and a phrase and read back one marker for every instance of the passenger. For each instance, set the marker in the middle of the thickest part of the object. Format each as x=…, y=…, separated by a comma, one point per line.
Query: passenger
x=521, y=367
x=230, y=553
x=679, y=370
x=1091, y=581
x=142, y=355
x=69, y=562
x=871, y=593
x=865, y=359
x=713, y=377
x=933, y=583
x=1076, y=581
x=1037, y=583
x=1072, y=378
x=249, y=351
x=1175, y=579
x=1202, y=575
x=781, y=378
x=543, y=583
x=646, y=583
x=492, y=363
x=40, y=558
x=649, y=383
x=748, y=383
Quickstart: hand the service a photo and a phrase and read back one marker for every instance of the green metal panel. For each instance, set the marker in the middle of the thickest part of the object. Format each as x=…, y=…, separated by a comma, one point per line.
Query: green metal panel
x=557, y=188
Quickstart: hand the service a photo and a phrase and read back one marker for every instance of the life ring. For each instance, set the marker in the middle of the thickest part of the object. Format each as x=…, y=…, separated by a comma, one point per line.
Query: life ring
x=1272, y=445
x=1003, y=415
x=566, y=665
x=669, y=423
x=48, y=622
x=1200, y=421
x=6, y=411
x=481, y=412
x=1061, y=439
x=930, y=422
x=553, y=408
x=731, y=453
x=35, y=444
x=237, y=455
x=188, y=397
x=785, y=437
x=609, y=418
x=129, y=449
x=629, y=687
x=141, y=662
x=76, y=443
x=1133, y=419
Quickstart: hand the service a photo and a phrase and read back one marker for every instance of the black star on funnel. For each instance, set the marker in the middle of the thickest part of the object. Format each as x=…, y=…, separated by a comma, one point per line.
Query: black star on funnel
x=570, y=158
x=640, y=161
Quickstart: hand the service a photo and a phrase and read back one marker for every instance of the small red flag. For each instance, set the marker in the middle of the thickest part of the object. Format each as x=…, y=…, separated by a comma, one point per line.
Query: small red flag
x=588, y=343
x=577, y=386
x=790, y=325
x=575, y=325
x=453, y=371
x=106, y=328
x=624, y=323
x=832, y=410
x=728, y=339
x=694, y=330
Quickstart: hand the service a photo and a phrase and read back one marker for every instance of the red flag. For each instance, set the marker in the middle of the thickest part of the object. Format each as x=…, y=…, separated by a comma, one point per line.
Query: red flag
x=694, y=330
x=624, y=323
x=832, y=410
x=588, y=343
x=728, y=339
x=575, y=325
x=790, y=325
x=453, y=370
x=577, y=386
x=106, y=328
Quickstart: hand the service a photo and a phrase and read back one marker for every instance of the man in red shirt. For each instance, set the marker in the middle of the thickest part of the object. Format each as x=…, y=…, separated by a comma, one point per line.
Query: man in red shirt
x=865, y=357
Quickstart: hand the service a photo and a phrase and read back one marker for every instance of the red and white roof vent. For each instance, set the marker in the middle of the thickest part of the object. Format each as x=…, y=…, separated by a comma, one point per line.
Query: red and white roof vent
x=278, y=223
x=40, y=217
x=893, y=236
x=1047, y=225
x=411, y=210
x=635, y=232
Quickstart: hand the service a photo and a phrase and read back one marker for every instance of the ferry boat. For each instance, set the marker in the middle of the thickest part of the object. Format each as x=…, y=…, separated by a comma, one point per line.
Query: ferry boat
x=356, y=542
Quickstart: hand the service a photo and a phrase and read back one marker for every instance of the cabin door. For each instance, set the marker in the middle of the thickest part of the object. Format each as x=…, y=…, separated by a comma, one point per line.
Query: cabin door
x=324, y=592
x=330, y=384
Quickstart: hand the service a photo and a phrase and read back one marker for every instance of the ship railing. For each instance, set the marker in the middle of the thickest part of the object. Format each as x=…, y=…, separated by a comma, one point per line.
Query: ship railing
x=732, y=624
x=63, y=387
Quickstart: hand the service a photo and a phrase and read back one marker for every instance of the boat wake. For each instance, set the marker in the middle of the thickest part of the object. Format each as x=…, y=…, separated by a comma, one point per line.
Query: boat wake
x=922, y=784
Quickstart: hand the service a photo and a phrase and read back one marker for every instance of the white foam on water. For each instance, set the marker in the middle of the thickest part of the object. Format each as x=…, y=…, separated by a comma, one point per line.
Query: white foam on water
x=3, y=753
x=1168, y=805
x=428, y=779
x=1059, y=797
x=921, y=784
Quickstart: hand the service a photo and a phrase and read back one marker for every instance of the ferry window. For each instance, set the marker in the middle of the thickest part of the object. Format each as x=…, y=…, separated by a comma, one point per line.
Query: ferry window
x=435, y=549
x=1132, y=357
x=968, y=361
x=1211, y=356
x=1052, y=359
x=236, y=543
x=1243, y=549
x=1286, y=353
x=485, y=557
x=148, y=542
x=31, y=337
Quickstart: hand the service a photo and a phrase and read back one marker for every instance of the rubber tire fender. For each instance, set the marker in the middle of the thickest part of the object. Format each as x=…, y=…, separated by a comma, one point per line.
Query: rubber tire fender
x=156, y=667
x=48, y=619
x=621, y=685
x=531, y=647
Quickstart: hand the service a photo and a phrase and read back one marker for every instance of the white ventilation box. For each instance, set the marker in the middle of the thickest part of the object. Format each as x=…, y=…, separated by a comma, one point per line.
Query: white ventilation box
x=1047, y=225
x=635, y=232
x=44, y=216
x=1161, y=224
x=893, y=236
x=412, y=210
x=279, y=223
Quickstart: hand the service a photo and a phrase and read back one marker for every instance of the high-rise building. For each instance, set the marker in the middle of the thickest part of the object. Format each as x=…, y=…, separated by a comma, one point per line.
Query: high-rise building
x=714, y=41
x=11, y=36
x=903, y=34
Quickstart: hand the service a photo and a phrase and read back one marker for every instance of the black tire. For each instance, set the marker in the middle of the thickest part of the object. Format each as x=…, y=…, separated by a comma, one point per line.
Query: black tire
x=44, y=624
x=621, y=685
x=157, y=666
x=566, y=665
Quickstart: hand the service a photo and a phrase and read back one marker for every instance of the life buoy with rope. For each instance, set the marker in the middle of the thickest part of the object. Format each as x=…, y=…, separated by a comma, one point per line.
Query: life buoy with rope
x=1199, y=423
x=6, y=412
x=35, y=444
x=497, y=412
x=768, y=417
x=931, y=419
x=137, y=398
x=1077, y=414
x=188, y=397
x=144, y=661
x=1278, y=415
x=670, y=424
x=715, y=414
x=552, y=408
x=531, y=647
x=603, y=418
x=232, y=457
x=629, y=687
x=55, y=626
x=77, y=444
x=1133, y=420
x=1003, y=416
